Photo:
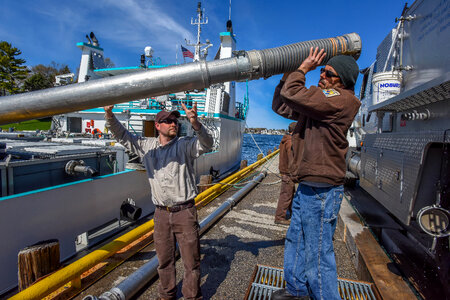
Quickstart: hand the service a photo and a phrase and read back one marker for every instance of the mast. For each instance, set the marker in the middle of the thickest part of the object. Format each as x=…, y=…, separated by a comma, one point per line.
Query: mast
x=199, y=54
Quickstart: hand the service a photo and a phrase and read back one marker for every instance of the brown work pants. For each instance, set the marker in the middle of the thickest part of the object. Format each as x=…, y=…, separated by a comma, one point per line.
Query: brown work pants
x=181, y=227
x=287, y=192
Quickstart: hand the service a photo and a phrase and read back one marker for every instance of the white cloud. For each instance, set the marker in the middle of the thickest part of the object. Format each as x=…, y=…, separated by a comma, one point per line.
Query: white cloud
x=127, y=24
x=142, y=18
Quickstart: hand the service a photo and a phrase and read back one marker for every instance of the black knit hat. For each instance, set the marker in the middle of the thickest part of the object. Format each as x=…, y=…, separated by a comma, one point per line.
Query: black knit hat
x=347, y=69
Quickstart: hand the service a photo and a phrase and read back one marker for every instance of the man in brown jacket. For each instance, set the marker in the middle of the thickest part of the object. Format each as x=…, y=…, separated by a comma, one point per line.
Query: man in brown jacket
x=287, y=189
x=324, y=114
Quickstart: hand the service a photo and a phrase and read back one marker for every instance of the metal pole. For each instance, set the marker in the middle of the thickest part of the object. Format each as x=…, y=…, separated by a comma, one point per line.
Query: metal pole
x=249, y=65
x=137, y=280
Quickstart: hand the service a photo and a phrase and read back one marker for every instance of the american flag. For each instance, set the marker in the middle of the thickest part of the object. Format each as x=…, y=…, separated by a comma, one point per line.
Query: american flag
x=187, y=53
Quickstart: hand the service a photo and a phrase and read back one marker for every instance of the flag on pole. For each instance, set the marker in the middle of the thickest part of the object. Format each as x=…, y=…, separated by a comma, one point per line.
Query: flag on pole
x=187, y=53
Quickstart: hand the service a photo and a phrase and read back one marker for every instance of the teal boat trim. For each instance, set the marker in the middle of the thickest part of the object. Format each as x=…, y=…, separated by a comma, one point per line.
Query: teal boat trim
x=212, y=152
x=63, y=185
x=226, y=33
x=134, y=68
x=155, y=111
x=88, y=45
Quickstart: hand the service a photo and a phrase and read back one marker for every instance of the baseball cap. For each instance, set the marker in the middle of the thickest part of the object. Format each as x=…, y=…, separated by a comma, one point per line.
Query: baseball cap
x=163, y=115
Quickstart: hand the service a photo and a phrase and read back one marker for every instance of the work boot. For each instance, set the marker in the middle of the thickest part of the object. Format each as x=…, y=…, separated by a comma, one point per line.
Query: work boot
x=283, y=294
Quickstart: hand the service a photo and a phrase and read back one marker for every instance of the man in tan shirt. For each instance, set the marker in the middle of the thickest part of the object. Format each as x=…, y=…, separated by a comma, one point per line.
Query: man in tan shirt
x=169, y=163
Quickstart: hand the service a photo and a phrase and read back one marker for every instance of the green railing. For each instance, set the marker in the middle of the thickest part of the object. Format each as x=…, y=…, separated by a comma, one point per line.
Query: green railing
x=172, y=102
x=242, y=108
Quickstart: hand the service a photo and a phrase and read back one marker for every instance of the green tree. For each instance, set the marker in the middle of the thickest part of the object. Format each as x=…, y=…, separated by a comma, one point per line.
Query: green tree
x=12, y=70
x=51, y=70
x=44, y=76
x=36, y=82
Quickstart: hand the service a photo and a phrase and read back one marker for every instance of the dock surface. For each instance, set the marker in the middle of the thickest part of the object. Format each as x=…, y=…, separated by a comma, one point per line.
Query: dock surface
x=230, y=250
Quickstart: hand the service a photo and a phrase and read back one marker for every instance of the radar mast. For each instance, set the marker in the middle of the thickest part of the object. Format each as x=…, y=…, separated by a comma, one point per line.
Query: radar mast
x=200, y=54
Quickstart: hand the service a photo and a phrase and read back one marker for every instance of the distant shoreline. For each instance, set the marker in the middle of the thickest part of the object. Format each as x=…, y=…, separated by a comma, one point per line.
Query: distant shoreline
x=265, y=131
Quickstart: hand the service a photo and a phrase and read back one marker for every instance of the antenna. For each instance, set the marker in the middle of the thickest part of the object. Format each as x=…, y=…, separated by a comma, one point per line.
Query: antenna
x=199, y=8
x=229, y=23
x=199, y=21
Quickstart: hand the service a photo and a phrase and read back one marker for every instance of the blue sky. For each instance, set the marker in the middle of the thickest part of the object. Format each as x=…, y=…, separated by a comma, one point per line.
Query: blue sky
x=47, y=31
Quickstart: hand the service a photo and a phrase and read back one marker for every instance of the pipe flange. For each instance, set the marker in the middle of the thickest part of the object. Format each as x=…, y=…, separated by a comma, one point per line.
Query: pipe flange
x=70, y=166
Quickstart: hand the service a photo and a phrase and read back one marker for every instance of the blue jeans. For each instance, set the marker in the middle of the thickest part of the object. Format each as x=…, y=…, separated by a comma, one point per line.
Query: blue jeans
x=309, y=262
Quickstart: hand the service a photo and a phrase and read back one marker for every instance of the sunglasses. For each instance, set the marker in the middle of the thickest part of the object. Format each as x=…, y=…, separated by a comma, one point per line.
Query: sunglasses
x=169, y=121
x=328, y=73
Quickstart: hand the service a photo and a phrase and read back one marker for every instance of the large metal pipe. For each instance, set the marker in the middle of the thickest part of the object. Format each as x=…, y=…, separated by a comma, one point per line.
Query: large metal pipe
x=354, y=165
x=229, y=203
x=248, y=65
x=137, y=280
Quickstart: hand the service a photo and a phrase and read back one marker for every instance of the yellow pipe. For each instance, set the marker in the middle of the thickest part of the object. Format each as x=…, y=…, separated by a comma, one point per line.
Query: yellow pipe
x=54, y=281
x=217, y=189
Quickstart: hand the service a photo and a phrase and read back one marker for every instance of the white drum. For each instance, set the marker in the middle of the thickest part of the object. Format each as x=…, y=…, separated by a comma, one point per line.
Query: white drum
x=386, y=85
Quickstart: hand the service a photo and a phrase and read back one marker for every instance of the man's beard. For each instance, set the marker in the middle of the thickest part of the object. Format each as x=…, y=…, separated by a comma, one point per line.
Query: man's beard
x=172, y=133
x=321, y=84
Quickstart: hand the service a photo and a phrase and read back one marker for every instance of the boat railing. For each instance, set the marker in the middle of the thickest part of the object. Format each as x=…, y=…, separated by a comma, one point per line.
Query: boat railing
x=240, y=111
x=242, y=108
x=132, y=128
x=171, y=104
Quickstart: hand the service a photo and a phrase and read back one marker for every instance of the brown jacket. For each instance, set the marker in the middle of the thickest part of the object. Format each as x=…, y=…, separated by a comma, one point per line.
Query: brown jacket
x=319, y=141
x=286, y=156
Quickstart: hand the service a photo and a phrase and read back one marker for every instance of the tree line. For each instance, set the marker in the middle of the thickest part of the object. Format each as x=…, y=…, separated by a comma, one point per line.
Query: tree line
x=16, y=78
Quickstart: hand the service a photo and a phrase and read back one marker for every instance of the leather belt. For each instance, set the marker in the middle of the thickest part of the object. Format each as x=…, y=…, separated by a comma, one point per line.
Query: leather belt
x=177, y=207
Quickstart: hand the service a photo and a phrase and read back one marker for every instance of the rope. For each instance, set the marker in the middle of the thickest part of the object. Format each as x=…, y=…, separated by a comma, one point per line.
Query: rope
x=242, y=183
x=260, y=151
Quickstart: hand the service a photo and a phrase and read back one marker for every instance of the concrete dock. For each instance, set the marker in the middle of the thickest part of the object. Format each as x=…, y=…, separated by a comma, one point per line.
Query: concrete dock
x=247, y=236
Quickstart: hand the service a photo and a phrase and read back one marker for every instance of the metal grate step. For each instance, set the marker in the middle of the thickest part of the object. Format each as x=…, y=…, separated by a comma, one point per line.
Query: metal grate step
x=266, y=280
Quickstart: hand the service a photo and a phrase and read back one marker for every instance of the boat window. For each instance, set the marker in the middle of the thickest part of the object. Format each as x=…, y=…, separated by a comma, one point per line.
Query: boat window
x=225, y=107
x=149, y=129
x=74, y=124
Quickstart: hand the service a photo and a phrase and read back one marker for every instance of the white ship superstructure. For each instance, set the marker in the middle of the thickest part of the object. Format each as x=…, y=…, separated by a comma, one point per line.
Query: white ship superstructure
x=217, y=106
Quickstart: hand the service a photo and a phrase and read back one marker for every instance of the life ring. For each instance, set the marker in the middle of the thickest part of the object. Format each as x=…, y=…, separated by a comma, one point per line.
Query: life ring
x=97, y=132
